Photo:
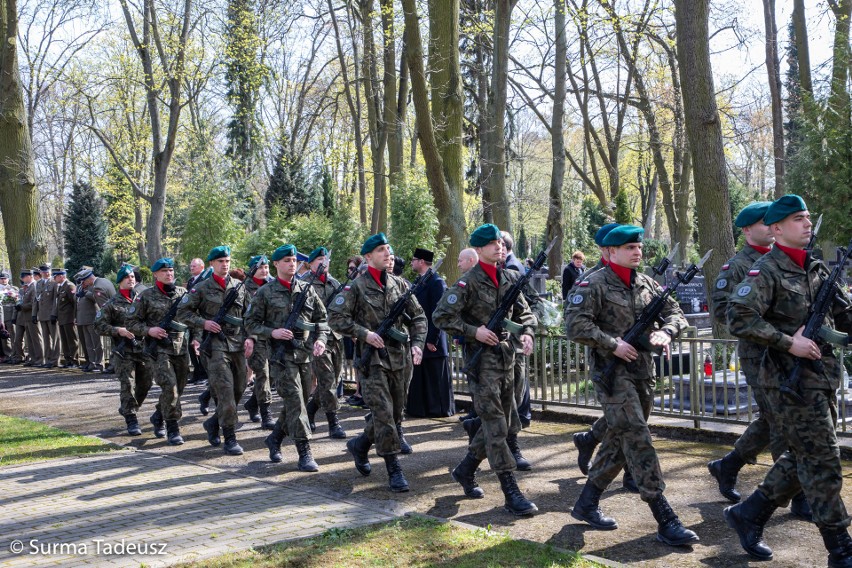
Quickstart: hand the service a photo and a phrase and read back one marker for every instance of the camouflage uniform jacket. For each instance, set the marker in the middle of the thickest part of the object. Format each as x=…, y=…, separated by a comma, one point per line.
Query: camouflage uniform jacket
x=733, y=272
x=362, y=305
x=772, y=303
x=114, y=315
x=148, y=310
x=602, y=308
x=324, y=290
x=470, y=302
x=269, y=311
x=203, y=302
x=252, y=287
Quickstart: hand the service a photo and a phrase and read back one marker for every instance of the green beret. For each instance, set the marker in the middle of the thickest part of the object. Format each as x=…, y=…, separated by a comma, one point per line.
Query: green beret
x=484, y=234
x=284, y=250
x=752, y=213
x=316, y=253
x=123, y=273
x=373, y=242
x=163, y=263
x=256, y=260
x=219, y=252
x=783, y=207
x=622, y=235
x=603, y=232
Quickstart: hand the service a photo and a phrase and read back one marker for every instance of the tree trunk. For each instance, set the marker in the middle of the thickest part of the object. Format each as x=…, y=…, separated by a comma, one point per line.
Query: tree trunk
x=24, y=233
x=555, y=224
x=802, y=51
x=648, y=223
x=773, y=70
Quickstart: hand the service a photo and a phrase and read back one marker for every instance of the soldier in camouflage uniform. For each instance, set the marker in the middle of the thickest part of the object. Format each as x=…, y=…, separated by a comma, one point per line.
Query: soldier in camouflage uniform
x=291, y=374
x=225, y=359
x=770, y=308
x=601, y=310
x=261, y=397
x=464, y=310
x=356, y=312
x=132, y=370
x=170, y=367
x=327, y=367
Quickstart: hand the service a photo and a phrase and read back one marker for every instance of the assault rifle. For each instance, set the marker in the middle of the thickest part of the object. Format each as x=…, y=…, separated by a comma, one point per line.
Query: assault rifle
x=119, y=347
x=151, y=344
x=814, y=233
x=498, y=319
x=222, y=315
x=814, y=328
x=635, y=336
x=386, y=329
x=281, y=346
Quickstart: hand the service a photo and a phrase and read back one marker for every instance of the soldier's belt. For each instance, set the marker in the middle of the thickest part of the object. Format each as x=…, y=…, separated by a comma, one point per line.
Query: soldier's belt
x=301, y=324
x=233, y=320
x=397, y=335
x=833, y=337
x=177, y=326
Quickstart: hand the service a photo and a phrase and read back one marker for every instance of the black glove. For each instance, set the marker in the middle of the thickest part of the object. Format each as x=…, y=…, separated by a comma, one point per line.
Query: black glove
x=53, y=319
x=17, y=307
x=35, y=319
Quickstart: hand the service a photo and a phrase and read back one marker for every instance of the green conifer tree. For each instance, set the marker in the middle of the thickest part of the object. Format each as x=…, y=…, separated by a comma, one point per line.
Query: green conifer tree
x=85, y=229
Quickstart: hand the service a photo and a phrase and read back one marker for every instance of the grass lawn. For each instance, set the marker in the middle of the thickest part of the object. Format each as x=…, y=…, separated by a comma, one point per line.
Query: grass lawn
x=413, y=541
x=23, y=441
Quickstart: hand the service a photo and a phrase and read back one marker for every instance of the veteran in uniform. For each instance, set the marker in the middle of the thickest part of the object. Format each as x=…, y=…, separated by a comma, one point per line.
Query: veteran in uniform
x=9, y=311
x=29, y=309
x=170, y=366
x=46, y=296
x=92, y=293
x=601, y=310
x=261, y=397
x=291, y=373
x=770, y=308
x=65, y=310
x=356, y=312
x=464, y=311
x=20, y=351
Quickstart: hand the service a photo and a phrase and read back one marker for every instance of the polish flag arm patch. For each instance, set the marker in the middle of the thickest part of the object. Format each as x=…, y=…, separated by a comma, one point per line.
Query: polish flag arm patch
x=753, y=272
x=726, y=266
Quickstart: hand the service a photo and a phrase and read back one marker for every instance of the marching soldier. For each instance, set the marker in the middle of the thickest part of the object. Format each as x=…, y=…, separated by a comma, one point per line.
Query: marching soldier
x=261, y=397
x=291, y=374
x=92, y=293
x=171, y=363
x=356, y=312
x=464, y=310
x=770, y=308
x=29, y=307
x=602, y=309
x=131, y=368
x=225, y=360
x=46, y=296
x=65, y=310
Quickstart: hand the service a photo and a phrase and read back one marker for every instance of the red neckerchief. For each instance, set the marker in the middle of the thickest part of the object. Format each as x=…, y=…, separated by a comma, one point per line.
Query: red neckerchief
x=286, y=283
x=796, y=255
x=604, y=262
x=219, y=280
x=160, y=286
x=322, y=277
x=258, y=281
x=622, y=272
x=125, y=293
x=760, y=249
x=491, y=271
x=377, y=276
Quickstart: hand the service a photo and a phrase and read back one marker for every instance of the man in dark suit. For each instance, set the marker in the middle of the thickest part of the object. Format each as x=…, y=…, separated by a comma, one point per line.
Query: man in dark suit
x=431, y=389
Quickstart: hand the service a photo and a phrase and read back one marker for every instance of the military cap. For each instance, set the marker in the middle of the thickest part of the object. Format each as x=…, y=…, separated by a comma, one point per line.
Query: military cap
x=484, y=234
x=84, y=273
x=256, y=260
x=622, y=235
x=163, y=263
x=5, y=274
x=57, y=272
x=423, y=254
x=301, y=257
x=752, y=213
x=284, y=250
x=219, y=252
x=44, y=268
x=783, y=207
x=123, y=273
x=26, y=272
x=316, y=253
x=603, y=232
x=374, y=241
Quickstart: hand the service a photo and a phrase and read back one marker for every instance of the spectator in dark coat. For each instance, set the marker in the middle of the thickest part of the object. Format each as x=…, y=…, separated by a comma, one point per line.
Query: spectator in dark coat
x=573, y=271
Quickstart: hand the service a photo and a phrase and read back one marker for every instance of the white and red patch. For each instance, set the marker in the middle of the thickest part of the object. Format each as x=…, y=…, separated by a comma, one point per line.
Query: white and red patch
x=462, y=283
x=753, y=272
x=583, y=284
x=726, y=266
x=347, y=288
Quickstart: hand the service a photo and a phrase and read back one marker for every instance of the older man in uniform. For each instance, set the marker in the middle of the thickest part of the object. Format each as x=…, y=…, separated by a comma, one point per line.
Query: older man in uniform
x=291, y=374
x=65, y=310
x=46, y=296
x=196, y=268
x=261, y=397
x=29, y=309
x=92, y=293
x=602, y=309
x=170, y=367
x=20, y=352
x=8, y=317
x=357, y=312
x=770, y=308
x=464, y=310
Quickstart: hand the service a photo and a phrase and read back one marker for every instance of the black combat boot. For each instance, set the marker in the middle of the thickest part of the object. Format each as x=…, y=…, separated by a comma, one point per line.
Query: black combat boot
x=252, y=408
x=132, y=422
x=628, y=482
x=587, y=509
x=173, y=432
x=465, y=475
x=312, y=407
x=334, y=429
x=748, y=519
x=800, y=508
x=725, y=471
x=359, y=447
x=159, y=425
x=232, y=448
x=404, y=446
x=471, y=426
x=520, y=460
x=211, y=426
x=585, y=443
x=273, y=442
x=204, y=401
x=396, y=480
x=306, y=459
x=669, y=528
x=839, y=547
x=266, y=421
x=516, y=503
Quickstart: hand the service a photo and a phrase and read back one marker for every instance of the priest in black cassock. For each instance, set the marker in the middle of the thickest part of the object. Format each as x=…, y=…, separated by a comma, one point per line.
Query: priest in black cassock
x=431, y=391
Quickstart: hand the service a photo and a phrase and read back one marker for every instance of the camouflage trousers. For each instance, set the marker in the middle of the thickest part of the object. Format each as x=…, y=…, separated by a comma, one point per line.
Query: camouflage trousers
x=327, y=371
x=384, y=392
x=494, y=402
x=812, y=462
x=764, y=430
x=134, y=376
x=170, y=373
x=226, y=375
x=260, y=365
x=628, y=439
x=291, y=378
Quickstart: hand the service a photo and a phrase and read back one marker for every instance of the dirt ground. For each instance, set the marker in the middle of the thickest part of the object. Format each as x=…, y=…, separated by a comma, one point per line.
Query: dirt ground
x=87, y=404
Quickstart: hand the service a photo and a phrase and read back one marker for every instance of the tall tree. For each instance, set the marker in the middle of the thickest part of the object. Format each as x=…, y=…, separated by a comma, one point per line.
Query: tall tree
x=773, y=71
x=85, y=229
x=803, y=58
x=555, y=225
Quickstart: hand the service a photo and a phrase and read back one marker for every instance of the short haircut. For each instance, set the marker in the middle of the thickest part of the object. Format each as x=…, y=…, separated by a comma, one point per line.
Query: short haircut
x=508, y=240
x=579, y=254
